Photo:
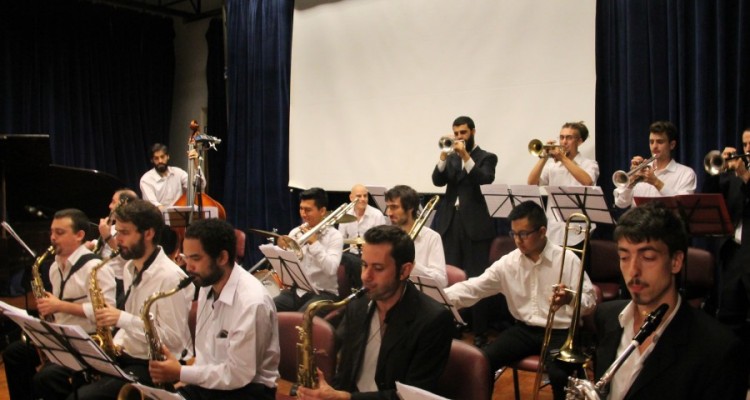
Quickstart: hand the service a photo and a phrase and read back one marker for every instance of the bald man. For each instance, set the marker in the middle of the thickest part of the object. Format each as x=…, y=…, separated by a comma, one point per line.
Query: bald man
x=367, y=216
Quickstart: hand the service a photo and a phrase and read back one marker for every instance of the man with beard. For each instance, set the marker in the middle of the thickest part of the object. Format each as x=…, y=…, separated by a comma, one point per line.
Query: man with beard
x=564, y=166
x=163, y=185
x=395, y=333
x=529, y=277
x=690, y=355
x=402, y=207
x=464, y=222
x=148, y=270
x=236, y=336
x=68, y=302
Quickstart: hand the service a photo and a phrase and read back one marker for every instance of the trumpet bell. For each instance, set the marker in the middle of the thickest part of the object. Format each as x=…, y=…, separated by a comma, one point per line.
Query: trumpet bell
x=446, y=144
x=620, y=178
x=713, y=162
x=536, y=148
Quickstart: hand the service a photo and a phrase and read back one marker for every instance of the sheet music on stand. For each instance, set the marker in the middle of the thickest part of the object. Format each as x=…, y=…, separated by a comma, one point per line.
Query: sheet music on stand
x=157, y=394
x=704, y=214
x=178, y=216
x=589, y=200
x=409, y=392
x=66, y=345
x=378, y=194
x=502, y=198
x=288, y=267
x=431, y=288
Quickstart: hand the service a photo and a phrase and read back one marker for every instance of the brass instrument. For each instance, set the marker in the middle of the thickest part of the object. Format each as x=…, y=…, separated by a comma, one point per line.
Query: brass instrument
x=129, y=391
x=446, y=144
x=621, y=178
x=583, y=389
x=37, y=284
x=541, y=150
x=295, y=245
x=569, y=352
x=423, y=216
x=714, y=163
x=103, y=335
x=307, y=373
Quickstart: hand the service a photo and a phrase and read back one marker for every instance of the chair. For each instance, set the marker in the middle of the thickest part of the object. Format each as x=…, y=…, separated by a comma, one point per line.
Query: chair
x=698, y=275
x=240, y=235
x=501, y=246
x=605, y=268
x=323, y=342
x=455, y=274
x=467, y=374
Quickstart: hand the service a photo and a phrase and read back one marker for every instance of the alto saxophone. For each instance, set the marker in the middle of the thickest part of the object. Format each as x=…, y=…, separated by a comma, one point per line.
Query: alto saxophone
x=37, y=285
x=307, y=373
x=103, y=335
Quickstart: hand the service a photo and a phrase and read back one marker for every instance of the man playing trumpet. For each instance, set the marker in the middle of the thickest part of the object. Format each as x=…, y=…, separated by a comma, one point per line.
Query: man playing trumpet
x=665, y=176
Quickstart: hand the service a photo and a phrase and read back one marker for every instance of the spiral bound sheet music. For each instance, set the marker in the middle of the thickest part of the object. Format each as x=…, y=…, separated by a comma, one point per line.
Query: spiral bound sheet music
x=431, y=288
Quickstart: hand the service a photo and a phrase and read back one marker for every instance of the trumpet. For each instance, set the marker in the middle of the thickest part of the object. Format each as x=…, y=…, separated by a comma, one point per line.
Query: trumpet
x=621, y=178
x=569, y=352
x=446, y=144
x=714, y=163
x=331, y=219
x=541, y=150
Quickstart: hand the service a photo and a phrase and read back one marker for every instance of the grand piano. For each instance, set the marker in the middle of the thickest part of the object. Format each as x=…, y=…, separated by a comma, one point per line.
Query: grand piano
x=32, y=190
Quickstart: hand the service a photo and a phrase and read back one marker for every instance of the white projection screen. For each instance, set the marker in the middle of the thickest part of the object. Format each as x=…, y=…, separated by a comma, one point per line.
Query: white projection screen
x=376, y=83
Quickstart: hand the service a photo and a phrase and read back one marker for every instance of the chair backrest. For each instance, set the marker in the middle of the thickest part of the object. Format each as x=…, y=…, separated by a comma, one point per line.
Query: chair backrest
x=699, y=275
x=605, y=262
x=323, y=342
x=345, y=287
x=240, y=235
x=501, y=246
x=455, y=274
x=467, y=374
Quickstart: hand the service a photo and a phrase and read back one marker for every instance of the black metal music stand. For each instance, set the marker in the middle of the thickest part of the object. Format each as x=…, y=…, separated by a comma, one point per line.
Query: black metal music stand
x=502, y=198
x=431, y=288
x=288, y=268
x=588, y=200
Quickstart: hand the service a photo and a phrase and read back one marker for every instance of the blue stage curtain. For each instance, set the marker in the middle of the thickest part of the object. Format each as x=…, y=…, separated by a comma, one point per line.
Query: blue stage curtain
x=680, y=60
x=97, y=79
x=256, y=192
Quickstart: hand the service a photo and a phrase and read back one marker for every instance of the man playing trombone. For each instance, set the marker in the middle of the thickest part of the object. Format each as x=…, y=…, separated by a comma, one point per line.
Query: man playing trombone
x=402, y=207
x=321, y=254
x=664, y=177
x=529, y=277
x=564, y=165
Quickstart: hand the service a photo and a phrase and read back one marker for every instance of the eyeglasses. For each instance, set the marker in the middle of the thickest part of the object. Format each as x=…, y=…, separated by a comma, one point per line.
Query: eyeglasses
x=523, y=235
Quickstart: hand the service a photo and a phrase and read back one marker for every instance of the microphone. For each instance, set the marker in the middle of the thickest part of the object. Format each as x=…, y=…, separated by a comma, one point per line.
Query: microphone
x=653, y=319
x=35, y=212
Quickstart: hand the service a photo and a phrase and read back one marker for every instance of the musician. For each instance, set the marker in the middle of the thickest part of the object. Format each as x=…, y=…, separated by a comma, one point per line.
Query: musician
x=367, y=216
x=148, y=270
x=464, y=222
x=565, y=166
x=395, y=333
x=163, y=185
x=690, y=355
x=402, y=207
x=68, y=301
x=237, y=334
x=734, y=256
x=665, y=176
x=322, y=254
x=528, y=277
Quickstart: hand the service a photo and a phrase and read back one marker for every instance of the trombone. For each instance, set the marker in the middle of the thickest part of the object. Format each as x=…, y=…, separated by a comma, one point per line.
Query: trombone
x=569, y=352
x=621, y=178
x=331, y=219
x=541, y=150
x=714, y=163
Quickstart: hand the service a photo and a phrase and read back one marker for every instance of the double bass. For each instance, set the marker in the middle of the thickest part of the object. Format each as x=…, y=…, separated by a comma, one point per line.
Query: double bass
x=194, y=194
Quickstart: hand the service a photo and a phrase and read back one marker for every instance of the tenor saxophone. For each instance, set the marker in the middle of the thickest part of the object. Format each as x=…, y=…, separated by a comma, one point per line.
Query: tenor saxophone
x=307, y=374
x=37, y=285
x=103, y=335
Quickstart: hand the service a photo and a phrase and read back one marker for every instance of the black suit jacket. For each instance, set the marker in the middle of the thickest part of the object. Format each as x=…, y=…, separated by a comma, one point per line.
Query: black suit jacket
x=414, y=348
x=474, y=214
x=695, y=358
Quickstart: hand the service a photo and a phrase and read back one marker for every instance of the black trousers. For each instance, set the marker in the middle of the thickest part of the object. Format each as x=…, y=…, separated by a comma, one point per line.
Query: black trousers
x=252, y=391
x=520, y=341
x=288, y=300
x=20, y=361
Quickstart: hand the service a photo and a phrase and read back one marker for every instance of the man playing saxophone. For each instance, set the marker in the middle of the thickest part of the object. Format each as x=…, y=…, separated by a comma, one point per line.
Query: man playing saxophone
x=68, y=302
x=236, y=335
x=395, y=333
x=402, y=207
x=149, y=270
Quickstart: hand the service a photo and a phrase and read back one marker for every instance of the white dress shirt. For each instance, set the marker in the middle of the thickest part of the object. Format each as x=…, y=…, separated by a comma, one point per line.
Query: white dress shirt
x=372, y=217
x=321, y=259
x=236, y=336
x=77, y=288
x=554, y=173
x=629, y=370
x=527, y=286
x=117, y=264
x=677, y=179
x=429, y=257
x=165, y=190
x=170, y=313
